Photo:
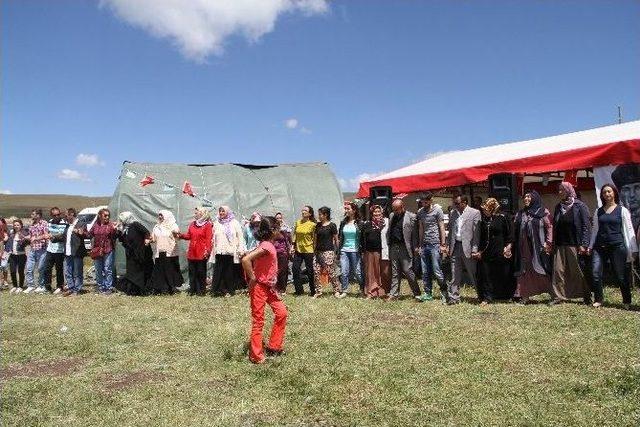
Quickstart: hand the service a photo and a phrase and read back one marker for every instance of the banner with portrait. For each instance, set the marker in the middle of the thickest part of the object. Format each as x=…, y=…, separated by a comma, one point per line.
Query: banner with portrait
x=626, y=178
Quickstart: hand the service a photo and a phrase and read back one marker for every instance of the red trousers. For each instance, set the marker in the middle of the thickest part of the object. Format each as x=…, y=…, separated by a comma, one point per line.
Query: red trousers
x=261, y=295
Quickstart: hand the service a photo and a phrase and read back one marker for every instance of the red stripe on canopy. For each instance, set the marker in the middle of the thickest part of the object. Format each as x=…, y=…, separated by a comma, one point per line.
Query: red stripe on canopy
x=613, y=153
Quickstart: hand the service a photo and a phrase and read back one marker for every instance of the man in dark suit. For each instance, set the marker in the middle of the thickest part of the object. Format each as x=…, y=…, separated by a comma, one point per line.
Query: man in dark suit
x=402, y=237
x=464, y=237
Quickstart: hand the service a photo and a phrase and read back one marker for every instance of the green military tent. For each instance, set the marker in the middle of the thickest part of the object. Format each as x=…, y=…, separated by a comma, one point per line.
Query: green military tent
x=245, y=188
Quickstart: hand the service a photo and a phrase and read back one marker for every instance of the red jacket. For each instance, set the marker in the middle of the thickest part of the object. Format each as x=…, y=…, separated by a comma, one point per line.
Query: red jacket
x=199, y=241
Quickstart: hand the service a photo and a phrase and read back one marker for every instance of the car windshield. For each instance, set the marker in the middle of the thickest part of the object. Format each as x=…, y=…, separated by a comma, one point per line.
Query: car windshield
x=86, y=218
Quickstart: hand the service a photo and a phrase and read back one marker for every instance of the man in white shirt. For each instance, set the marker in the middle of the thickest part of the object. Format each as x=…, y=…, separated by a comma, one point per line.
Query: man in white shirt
x=464, y=237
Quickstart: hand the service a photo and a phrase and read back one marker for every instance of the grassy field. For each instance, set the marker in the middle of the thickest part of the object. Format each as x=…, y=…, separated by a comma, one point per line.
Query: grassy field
x=180, y=361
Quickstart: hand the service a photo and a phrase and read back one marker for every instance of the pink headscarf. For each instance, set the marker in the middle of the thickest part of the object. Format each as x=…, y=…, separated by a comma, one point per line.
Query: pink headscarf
x=567, y=203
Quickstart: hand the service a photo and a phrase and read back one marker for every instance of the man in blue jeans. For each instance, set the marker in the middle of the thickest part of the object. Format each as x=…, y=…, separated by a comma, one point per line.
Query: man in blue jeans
x=74, y=252
x=432, y=245
x=38, y=239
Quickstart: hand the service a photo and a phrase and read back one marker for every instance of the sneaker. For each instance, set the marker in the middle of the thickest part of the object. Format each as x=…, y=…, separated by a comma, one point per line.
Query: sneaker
x=57, y=291
x=336, y=294
x=29, y=289
x=597, y=304
x=418, y=298
x=40, y=290
x=426, y=297
x=317, y=295
x=18, y=290
x=342, y=295
x=12, y=290
x=272, y=353
x=106, y=293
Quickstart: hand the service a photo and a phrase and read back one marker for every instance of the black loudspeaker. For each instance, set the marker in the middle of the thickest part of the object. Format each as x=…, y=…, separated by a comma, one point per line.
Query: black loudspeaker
x=504, y=188
x=382, y=196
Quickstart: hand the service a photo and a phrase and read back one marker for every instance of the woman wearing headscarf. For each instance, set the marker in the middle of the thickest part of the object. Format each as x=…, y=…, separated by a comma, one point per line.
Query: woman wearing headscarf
x=613, y=239
x=199, y=235
x=139, y=257
x=166, y=276
x=371, y=246
x=282, y=242
x=572, y=230
x=495, y=279
x=532, y=243
x=228, y=248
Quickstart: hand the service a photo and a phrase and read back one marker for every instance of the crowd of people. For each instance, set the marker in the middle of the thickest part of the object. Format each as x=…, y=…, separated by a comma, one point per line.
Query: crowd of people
x=505, y=258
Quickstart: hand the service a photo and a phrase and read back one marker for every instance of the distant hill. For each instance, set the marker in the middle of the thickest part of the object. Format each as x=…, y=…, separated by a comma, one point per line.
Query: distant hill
x=21, y=205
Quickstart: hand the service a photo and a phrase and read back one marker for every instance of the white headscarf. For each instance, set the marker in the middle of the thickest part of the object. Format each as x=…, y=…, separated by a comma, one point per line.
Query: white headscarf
x=126, y=219
x=168, y=221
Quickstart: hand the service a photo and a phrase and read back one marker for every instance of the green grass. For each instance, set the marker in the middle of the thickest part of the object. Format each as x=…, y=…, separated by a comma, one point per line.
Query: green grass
x=349, y=362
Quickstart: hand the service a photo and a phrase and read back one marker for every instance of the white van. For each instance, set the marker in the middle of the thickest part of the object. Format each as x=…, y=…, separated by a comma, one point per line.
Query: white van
x=89, y=216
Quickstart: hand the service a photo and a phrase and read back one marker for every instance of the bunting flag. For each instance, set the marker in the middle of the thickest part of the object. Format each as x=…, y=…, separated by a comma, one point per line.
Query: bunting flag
x=187, y=189
x=571, y=177
x=146, y=181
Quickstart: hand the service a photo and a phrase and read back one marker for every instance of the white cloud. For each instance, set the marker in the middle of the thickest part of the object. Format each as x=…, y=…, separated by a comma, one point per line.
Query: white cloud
x=294, y=123
x=5, y=191
x=72, y=175
x=291, y=123
x=352, y=184
x=88, y=160
x=199, y=28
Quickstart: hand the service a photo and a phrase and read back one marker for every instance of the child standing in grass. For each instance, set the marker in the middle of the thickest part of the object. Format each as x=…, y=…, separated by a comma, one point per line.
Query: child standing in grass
x=261, y=270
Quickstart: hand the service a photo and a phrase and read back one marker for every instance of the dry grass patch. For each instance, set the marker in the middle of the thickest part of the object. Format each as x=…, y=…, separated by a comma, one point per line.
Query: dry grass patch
x=42, y=368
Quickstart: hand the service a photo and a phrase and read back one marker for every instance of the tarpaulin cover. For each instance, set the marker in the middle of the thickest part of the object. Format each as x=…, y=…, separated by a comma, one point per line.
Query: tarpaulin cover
x=608, y=145
x=245, y=188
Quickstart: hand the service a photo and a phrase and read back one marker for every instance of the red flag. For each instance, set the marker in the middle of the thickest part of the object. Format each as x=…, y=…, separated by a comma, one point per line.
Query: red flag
x=571, y=177
x=187, y=189
x=146, y=181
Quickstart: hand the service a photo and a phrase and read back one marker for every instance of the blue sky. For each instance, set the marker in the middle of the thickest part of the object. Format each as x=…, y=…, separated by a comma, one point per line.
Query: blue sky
x=368, y=86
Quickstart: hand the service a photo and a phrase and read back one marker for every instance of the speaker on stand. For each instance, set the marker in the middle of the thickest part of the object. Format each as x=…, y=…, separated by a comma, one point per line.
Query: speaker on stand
x=382, y=196
x=504, y=188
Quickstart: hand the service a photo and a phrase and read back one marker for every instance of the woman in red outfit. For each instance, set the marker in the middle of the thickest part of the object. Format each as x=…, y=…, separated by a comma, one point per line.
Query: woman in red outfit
x=261, y=269
x=199, y=235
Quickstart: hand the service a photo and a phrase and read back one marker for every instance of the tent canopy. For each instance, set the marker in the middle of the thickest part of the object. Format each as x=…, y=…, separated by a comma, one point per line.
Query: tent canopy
x=244, y=188
x=609, y=145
